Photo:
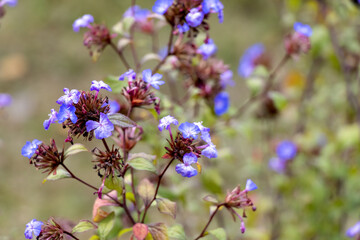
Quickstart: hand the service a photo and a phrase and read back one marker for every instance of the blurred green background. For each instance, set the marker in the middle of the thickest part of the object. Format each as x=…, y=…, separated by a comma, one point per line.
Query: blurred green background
x=40, y=55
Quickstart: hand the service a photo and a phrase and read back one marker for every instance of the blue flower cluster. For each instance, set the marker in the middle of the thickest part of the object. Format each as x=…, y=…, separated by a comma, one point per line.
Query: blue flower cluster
x=285, y=151
x=82, y=22
x=247, y=62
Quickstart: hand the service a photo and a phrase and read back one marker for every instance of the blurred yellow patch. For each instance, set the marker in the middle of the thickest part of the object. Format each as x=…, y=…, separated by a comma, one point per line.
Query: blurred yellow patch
x=294, y=80
x=13, y=67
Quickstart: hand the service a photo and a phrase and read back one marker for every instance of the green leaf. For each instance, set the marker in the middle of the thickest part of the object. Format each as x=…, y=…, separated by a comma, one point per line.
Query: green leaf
x=115, y=84
x=146, y=191
x=130, y=196
x=121, y=120
x=94, y=237
x=74, y=149
x=177, y=232
x=114, y=183
x=158, y=231
x=105, y=226
x=142, y=164
x=219, y=233
x=280, y=100
x=82, y=226
x=60, y=173
x=210, y=199
x=166, y=206
x=124, y=231
x=142, y=155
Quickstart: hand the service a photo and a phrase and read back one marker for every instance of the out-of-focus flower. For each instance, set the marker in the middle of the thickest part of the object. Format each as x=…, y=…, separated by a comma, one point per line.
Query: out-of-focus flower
x=29, y=148
x=153, y=80
x=82, y=22
x=103, y=128
x=131, y=75
x=194, y=18
x=248, y=60
x=205, y=132
x=166, y=121
x=189, y=130
x=354, y=230
x=141, y=18
x=250, y=185
x=114, y=107
x=209, y=6
x=183, y=28
x=10, y=3
x=207, y=49
x=299, y=41
x=303, y=29
x=52, y=119
x=5, y=100
x=210, y=151
x=161, y=6
x=286, y=150
x=221, y=103
x=277, y=165
x=97, y=85
x=70, y=97
x=185, y=168
x=33, y=228
x=67, y=112
x=226, y=78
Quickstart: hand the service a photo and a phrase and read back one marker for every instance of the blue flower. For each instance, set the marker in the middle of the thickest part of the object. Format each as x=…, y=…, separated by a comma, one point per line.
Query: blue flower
x=277, y=165
x=131, y=75
x=5, y=100
x=114, y=107
x=250, y=185
x=82, y=22
x=138, y=13
x=247, y=62
x=207, y=49
x=161, y=6
x=52, y=119
x=194, y=18
x=213, y=6
x=303, y=29
x=67, y=112
x=185, y=169
x=205, y=132
x=29, y=148
x=166, y=121
x=183, y=28
x=354, y=230
x=152, y=80
x=221, y=103
x=210, y=151
x=226, y=78
x=189, y=130
x=70, y=97
x=103, y=128
x=286, y=150
x=97, y=85
x=11, y=3
x=33, y=227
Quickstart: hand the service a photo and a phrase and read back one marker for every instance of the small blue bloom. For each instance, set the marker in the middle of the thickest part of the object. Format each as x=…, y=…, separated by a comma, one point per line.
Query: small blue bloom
x=97, y=85
x=221, y=103
x=207, y=49
x=52, y=119
x=210, y=151
x=166, y=121
x=183, y=28
x=247, y=62
x=185, y=169
x=286, y=150
x=138, y=13
x=354, y=230
x=5, y=100
x=70, y=97
x=194, y=18
x=152, y=80
x=250, y=185
x=29, y=148
x=11, y=3
x=33, y=228
x=226, y=78
x=103, y=128
x=67, y=112
x=131, y=75
x=161, y=6
x=189, y=130
x=205, y=132
x=303, y=29
x=114, y=107
x=82, y=22
x=277, y=165
x=213, y=6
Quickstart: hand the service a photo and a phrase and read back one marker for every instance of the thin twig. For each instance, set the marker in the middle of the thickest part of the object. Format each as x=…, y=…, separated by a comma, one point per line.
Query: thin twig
x=169, y=52
x=71, y=235
x=120, y=54
x=208, y=223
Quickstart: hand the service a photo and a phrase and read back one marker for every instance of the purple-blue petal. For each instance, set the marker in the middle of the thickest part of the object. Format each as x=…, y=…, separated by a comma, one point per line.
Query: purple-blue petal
x=185, y=171
x=91, y=125
x=189, y=130
x=210, y=151
x=194, y=18
x=250, y=185
x=221, y=103
x=161, y=6
x=5, y=100
x=303, y=29
x=28, y=150
x=189, y=158
x=354, y=230
x=247, y=61
x=286, y=150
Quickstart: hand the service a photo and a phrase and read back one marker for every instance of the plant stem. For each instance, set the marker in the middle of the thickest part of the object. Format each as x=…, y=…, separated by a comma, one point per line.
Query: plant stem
x=124, y=204
x=105, y=144
x=71, y=235
x=210, y=219
x=156, y=191
x=122, y=58
x=169, y=52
